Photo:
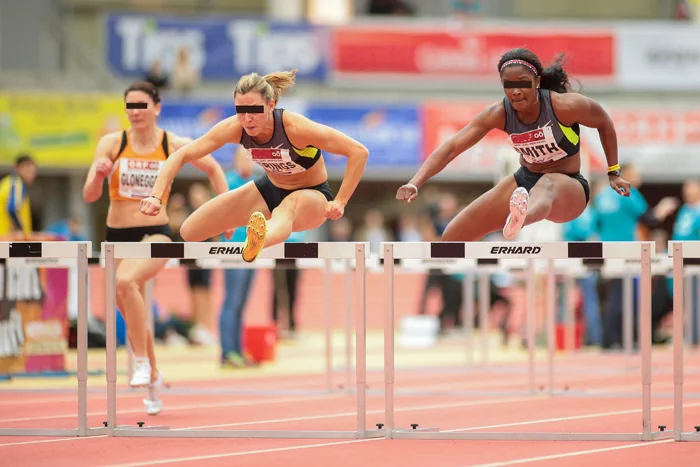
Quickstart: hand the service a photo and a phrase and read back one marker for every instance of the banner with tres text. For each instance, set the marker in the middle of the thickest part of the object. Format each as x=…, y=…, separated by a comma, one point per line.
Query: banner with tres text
x=218, y=48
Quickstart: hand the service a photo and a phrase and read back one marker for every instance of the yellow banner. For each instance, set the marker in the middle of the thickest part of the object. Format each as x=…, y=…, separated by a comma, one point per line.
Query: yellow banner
x=58, y=130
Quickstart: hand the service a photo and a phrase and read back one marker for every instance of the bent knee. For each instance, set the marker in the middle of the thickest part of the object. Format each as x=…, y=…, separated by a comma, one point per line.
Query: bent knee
x=546, y=184
x=188, y=231
x=126, y=284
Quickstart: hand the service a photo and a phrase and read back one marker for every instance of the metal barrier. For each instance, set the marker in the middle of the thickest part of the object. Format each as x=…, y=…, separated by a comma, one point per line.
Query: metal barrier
x=207, y=251
x=73, y=252
x=530, y=251
x=683, y=254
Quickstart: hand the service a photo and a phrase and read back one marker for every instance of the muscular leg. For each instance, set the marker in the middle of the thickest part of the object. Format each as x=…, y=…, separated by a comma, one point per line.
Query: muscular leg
x=300, y=211
x=132, y=275
x=227, y=211
x=557, y=198
x=483, y=216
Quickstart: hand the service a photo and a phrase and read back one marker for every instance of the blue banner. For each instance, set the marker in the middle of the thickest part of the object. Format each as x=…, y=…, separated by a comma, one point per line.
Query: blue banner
x=220, y=48
x=393, y=135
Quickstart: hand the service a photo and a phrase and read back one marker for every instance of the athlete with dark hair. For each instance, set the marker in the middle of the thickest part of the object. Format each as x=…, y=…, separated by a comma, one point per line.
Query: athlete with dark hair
x=541, y=116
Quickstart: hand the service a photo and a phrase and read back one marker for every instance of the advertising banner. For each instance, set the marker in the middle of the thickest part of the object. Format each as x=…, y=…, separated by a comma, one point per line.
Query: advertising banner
x=470, y=54
x=659, y=57
x=33, y=319
x=663, y=142
x=392, y=134
x=58, y=130
x=220, y=48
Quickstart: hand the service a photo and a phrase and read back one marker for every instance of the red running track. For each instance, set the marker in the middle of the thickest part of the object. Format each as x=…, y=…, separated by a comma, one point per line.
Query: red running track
x=483, y=405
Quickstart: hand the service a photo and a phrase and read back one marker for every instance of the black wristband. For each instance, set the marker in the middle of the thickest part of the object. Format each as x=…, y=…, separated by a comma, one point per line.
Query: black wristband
x=159, y=200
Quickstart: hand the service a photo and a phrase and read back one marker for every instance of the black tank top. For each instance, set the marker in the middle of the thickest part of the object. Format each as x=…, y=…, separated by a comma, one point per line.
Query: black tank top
x=546, y=140
x=278, y=155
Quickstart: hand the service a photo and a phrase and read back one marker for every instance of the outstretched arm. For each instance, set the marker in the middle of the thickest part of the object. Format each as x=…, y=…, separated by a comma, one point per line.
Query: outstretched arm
x=301, y=129
x=206, y=164
x=576, y=108
x=488, y=119
x=226, y=131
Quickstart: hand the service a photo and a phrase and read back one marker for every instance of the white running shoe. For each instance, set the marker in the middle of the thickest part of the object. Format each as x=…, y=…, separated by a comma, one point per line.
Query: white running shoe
x=142, y=373
x=153, y=403
x=518, y=211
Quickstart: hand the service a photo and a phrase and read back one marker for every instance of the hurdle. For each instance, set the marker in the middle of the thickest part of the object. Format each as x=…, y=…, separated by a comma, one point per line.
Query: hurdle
x=684, y=254
x=19, y=254
x=530, y=251
x=210, y=250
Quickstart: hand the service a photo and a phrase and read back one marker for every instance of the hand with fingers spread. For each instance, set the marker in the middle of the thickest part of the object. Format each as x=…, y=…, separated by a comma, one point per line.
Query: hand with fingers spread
x=407, y=192
x=335, y=210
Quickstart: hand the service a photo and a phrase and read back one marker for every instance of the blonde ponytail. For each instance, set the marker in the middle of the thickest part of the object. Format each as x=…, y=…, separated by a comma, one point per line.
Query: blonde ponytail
x=280, y=81
x=270, y=86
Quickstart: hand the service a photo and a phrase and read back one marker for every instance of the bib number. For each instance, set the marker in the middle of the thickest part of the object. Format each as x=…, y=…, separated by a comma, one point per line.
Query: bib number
x=137, y=177
x=276, y=161
x=538, y=146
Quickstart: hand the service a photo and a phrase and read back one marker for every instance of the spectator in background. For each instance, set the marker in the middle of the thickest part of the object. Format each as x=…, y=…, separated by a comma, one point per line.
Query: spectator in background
x=340, y=230
x=583, y=229
x=466, y=9
x=157, y=76
x=237, y=282
x=69, y=229
x=618, y=219
x=199, y=280
x=687, y=228
x=184, y=77
x=285, y=285
x=374, y=230
x=15, y=210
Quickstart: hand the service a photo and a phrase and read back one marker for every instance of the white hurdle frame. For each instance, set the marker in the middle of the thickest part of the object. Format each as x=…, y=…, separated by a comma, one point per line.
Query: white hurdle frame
x=548, y=251
x=36, y=254
x=206, y=250
x=681, y=251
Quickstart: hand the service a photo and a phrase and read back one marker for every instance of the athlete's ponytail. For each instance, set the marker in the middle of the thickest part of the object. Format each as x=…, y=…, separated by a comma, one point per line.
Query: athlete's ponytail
x=280, y=81
x=270, y=86
x=555, y=78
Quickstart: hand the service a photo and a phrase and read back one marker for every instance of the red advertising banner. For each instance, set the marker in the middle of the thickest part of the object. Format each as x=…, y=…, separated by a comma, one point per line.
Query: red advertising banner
x=469, y=53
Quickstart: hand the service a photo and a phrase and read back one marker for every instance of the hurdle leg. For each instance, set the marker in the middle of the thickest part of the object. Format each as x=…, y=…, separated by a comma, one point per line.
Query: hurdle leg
x=688, y=306
x=627, y=317
x=530, y=323
x=348, y=326
x=569, y=316
x=82, y=340
x=551, y=318
x=111, y=329
x=328, y=307
x=678, y=311
x=484, y=315
x=695, y=309
x=645, y=340
x=361, y=338
x=388, y=342
x=468, y=313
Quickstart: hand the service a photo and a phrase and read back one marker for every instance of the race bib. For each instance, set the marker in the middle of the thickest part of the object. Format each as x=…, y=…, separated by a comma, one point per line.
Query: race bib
x=276, y=161
x=538, y=146
x=136, y=177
